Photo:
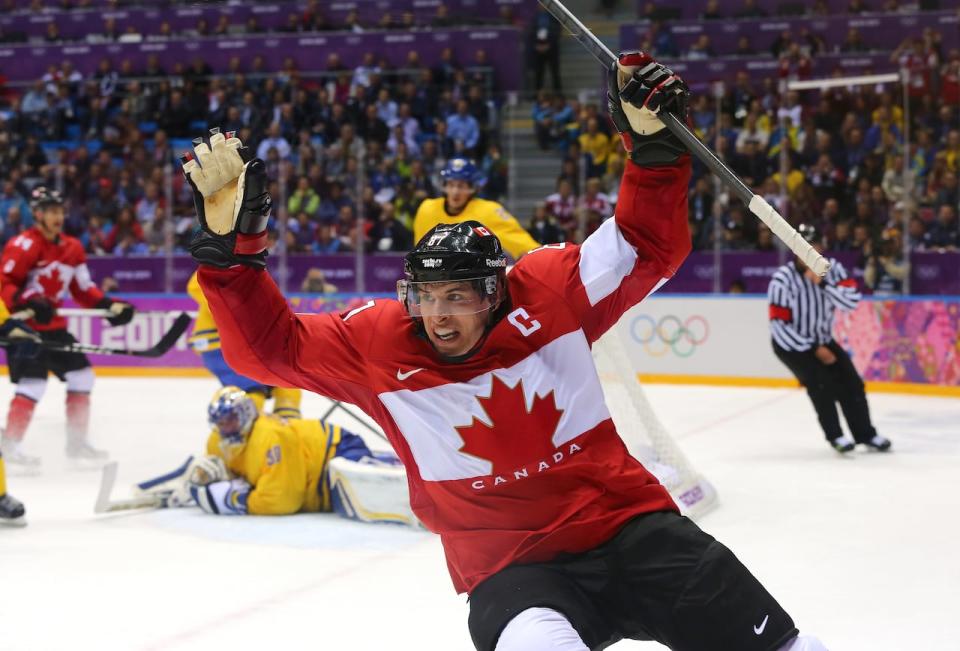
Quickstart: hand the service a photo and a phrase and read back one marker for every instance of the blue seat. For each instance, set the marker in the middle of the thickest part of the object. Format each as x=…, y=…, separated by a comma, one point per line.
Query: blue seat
x=147, y=128
x=180, y=145
x=198, y=125
x=73, y=132
x=93, y=146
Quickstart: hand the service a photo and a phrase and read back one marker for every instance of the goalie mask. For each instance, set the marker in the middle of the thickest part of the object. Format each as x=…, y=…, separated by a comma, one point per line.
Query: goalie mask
x=456, y=269
x=232, y=414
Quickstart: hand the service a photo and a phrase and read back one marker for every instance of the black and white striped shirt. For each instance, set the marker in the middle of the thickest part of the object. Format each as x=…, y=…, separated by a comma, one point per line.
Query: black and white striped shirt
x=801, y=312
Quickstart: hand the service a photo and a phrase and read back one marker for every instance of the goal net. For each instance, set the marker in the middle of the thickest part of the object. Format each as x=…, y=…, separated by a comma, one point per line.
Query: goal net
x=645, y=436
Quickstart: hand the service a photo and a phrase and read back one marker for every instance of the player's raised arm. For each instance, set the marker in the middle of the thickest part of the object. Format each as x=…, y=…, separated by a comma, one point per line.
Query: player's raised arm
x=651, y=210
x=260, y=335
x=630, y=256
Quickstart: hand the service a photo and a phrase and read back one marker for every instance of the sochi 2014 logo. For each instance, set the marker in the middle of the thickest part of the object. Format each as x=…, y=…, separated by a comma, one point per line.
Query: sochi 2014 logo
x=670, y=333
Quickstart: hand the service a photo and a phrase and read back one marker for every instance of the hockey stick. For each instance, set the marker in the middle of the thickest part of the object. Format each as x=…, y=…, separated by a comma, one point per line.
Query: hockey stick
x=370, y=428
x=166, y=342
x=105, y=505
x=757, y=204
x=106, y=314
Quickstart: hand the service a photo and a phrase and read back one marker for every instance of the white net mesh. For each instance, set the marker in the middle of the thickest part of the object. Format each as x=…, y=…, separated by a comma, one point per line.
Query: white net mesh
x=645, y=436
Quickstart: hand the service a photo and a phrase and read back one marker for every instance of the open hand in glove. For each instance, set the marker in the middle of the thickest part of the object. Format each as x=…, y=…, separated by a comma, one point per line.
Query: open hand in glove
x=231, y=199
x=639, y=89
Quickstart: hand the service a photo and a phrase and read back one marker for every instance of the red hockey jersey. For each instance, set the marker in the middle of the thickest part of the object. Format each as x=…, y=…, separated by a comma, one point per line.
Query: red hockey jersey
x=511, y=456
x=32, y=265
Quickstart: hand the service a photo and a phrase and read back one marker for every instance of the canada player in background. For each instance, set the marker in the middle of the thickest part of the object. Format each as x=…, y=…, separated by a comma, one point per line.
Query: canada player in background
x=26, y=345
x=266, y=465
x=461, y=181
x=486, y=388
x=205, y=342
x=40, y=267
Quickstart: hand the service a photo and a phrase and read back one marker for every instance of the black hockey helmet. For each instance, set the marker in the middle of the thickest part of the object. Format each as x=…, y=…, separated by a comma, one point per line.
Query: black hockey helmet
x=467, y=251
x=41, y=197
x=455, y=252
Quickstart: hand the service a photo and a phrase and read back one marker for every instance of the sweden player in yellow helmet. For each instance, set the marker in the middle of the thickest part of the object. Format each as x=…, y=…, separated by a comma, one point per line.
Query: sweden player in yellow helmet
x=461, y=182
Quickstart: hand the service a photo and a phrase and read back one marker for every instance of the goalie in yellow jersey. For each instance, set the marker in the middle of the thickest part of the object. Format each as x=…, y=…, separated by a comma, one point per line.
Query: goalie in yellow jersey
x=461, y=181
x=268, y=465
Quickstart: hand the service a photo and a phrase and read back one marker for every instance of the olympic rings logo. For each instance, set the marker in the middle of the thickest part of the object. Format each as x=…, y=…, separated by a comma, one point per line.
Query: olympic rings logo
x=670, y=333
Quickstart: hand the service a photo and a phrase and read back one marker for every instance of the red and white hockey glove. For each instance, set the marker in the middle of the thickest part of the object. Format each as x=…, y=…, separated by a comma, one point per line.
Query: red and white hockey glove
x=233, y=206
x=639, y=88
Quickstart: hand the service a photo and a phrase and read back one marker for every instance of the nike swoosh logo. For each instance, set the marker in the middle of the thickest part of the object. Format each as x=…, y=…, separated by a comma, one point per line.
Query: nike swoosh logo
x=403, y=376
x=759, y=629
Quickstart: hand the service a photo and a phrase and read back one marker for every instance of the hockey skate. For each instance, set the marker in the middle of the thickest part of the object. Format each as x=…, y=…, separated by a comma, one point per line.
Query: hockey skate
x=83, y=456
x=18, y=462
x=11, y=512
x=842, y=444
x=879, y=443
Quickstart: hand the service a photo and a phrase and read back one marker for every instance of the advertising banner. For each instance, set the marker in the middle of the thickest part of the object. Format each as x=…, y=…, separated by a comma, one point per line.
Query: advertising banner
x=725, y=337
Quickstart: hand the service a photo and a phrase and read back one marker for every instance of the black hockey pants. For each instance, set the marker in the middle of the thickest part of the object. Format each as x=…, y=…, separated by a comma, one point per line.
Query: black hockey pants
x=827, y=385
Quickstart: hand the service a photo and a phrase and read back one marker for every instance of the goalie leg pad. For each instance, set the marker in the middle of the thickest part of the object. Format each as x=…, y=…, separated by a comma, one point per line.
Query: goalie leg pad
x=370, y=492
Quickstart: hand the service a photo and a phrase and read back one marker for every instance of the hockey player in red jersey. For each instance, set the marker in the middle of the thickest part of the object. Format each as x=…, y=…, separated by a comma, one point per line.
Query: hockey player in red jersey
x=39, y=268
x=486, y=388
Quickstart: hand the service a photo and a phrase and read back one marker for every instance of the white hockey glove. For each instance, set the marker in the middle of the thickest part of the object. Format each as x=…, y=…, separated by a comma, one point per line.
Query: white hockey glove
x=231, y=199
x=200, y=472
x=639, y=89
x=206, y=470
x=227, y=497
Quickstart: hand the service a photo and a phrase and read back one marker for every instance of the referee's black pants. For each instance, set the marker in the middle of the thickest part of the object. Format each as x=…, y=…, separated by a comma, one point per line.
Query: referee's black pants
x=827, y=385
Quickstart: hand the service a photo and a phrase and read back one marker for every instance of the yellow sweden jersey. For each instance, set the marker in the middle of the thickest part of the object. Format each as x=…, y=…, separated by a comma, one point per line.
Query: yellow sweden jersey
x=204, y=335
x=4, y=315
x=284, y=460
x=516, y=241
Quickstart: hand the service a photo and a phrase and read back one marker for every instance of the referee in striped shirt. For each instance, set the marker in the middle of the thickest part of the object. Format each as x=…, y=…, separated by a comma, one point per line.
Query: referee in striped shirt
x=801, y=323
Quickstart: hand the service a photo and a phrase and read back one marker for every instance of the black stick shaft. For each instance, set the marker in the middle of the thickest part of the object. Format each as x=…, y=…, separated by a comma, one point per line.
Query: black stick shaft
x=757, y=205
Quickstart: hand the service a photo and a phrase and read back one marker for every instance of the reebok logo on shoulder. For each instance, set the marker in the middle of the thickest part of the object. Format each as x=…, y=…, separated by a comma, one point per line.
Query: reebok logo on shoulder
x=759, y=629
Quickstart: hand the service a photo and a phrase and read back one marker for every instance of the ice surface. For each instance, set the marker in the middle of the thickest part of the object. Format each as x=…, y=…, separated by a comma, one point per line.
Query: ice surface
x=862, y=551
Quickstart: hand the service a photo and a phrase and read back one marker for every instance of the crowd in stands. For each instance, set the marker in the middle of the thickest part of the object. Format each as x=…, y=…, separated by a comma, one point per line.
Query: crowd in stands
x=795, y=47
x=367, y=140
x=834, y=159
x=370, y=140
x=314, y=17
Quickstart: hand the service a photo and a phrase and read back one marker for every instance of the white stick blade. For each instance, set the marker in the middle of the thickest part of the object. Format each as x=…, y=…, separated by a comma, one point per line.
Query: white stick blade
x=107, y=479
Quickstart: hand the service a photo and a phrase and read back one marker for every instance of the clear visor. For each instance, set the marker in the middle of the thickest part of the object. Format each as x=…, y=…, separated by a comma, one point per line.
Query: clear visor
x=449, y=297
